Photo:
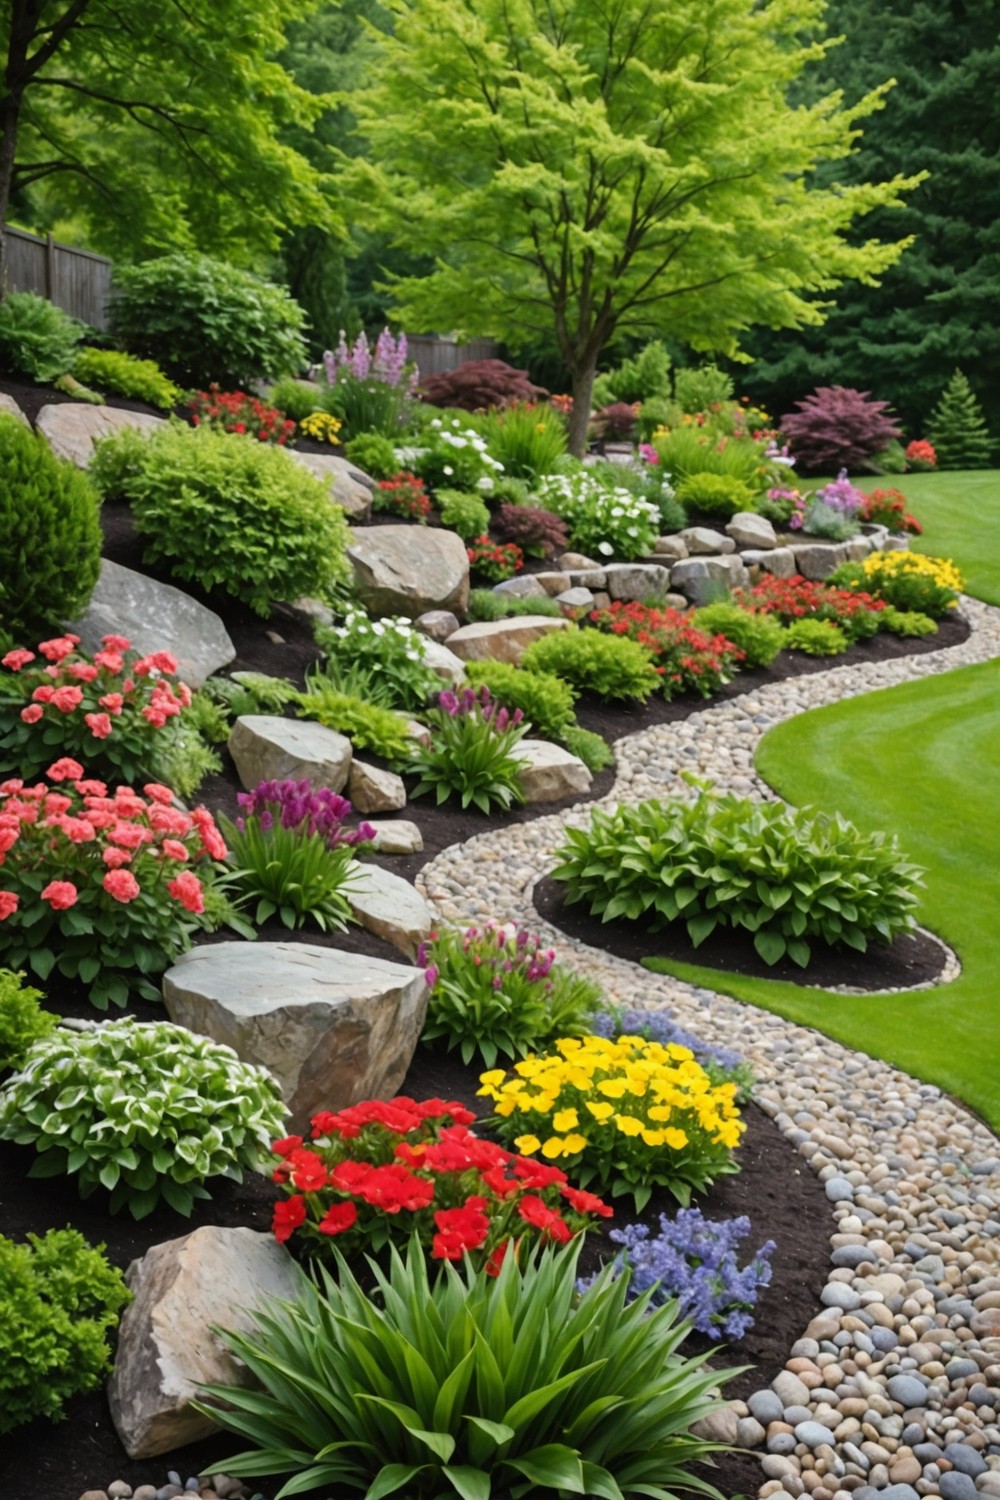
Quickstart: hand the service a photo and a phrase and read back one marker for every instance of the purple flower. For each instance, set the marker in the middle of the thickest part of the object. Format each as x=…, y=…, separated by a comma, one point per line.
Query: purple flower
x=314, y=812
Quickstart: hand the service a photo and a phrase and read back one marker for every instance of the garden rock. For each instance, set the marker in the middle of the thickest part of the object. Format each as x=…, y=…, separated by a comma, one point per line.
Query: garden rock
x=589, y=578
x=268, y=748
x=527, y=587
x=502, y=640
x=672, y=547
x=10, y=406
x=702, y=579
x=406, y=570
x=702, y=540
x=780, y=562
x=310, y=611
x=552, y=583
x=859, y=547
x=817, y=560
x=637, y=580
x=373, y=790
x=345, y=485
x=73, y=427
x=445, y=663
x=748, y=529
x=551, y=773
x=437, y=624
x=572, y=562
x=165, y=1349
x=575, y=602
x=893, y=542
x=390, y=907
x=396, y=836
x=333, y=1027
x=155, y=617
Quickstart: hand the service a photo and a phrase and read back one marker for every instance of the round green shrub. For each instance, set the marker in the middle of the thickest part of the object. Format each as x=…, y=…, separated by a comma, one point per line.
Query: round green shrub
x=546, y=701
x=296, y=398
x=37, y=339
x=610, y=666
x=467, y=514
x=373, y=454
x=226, y=512
x=51, y=530
x=905, y=622
x=203, y=320
x=759, y=637
x=124, y=375
x=22, y=1019
x=719, y=495
x=816, y=638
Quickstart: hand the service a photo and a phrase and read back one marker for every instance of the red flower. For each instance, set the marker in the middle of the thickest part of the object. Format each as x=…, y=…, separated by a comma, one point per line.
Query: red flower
x=393, y=1188
x=496, y=1258
x=349, y=1176
x=307, y=1170
x=98, y=724
x=585, y=1203
x=15, y=660
x=8, y=904
x=288, y=1216
x=187, y=889
x=32, y=713
x=460, y=1229
x=287, y=1145
x=338, y=1218
x=65, y=769
x=60, y=894
x=121, y=884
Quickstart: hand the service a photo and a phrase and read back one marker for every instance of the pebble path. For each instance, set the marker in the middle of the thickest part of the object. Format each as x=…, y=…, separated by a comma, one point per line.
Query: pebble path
x=894, y=1387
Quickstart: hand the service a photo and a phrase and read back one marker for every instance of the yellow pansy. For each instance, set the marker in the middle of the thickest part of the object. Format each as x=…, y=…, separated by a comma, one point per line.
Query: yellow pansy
x=675, y=1139
x=527, y=1144
x=653, y=1137
x=611, y=1088
x=628, y=1124
x=492, y=1080
x=565, y=1119
x=553, y=1147
x=505, y=1107
x=599, y=1109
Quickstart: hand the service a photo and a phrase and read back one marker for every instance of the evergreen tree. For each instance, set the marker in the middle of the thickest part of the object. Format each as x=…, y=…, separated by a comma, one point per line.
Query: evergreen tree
x=958, y=428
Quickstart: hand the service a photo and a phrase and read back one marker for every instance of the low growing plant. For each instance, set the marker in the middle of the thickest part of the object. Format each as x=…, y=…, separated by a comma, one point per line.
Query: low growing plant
x=382, y=660
x=37, y=339
x=466, y=514
x=145, y=1111
x=373, y=454
x=787, y=875
x=686, y=657
x=473, y=751
x=321, y=427
x=605, y=519
x=59, y=1298
x=516, y=1387
x=852, y=609
x=22, y=1019
x=625, y=1116
x=834, y=511
x=715, y=494
x=297, y=398
x=494, y=561
x=759, y=637
x=908, y=622
x=888, y=508
x=608, y=666
x=544, y=700
x=455, y=457
x=722, y=1064
x=591, y=748
x=124, y=375
x=367, y=725
x=911, y=580
x=816, y=638
x=496, y=991
x=241, y=413
x=402, y=495
x=485, y=604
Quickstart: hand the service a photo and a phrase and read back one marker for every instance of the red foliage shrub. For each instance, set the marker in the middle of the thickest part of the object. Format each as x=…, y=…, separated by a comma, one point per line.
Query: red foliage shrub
x=480, y=384
x=838, y=427
x=539, y=533
x=615, y=421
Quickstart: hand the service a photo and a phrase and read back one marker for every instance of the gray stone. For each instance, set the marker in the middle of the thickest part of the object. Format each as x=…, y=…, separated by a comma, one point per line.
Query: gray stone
x=397, y=836
x=155, y=617
x=961, y=1369
x=73, y=427
x=551, y=772
x=766, y=1406
x=390, y=907
x=894, y=542
x=437, y=624
x=749, y=1432
x=908, y=1390
x=956, y=1485
x=748, y=529
x=526, y=587
x=965, y=1459
x=789, y=1389
x=333, y=1027
x=837, y=1294
x=572, y=562
x=447, y=666
x=575, y=602
x=344, y=485
x=553, y=583
x=502, y=640
x=590, y=578
x=852, y=1256
x=118, y=1489
x=780, y=562
x=672, y=547
x=858, y=547
x=839, y=1190
x=166, y=1350
x=897, y=1492
x=703, y=579
x=373, y=790
x=11, y=408
x=718, y=1427
x=637, y=580
x=408, y=570
x=702, y=539
x=817, y=560
x=310, y=611
x=268, y=748
x=813, y=1434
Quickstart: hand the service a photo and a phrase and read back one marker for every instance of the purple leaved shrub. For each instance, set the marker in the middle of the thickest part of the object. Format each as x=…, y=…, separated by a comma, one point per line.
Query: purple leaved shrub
x=539, y=533
x=838, y=427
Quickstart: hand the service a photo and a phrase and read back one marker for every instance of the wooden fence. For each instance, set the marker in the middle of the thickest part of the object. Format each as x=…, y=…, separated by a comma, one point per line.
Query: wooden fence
x=434, y=353
x=76, y=280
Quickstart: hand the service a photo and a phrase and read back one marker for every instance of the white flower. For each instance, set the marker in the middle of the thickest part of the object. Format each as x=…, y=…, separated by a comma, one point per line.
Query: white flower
x=605, y=549
x=447, y=469
x=378, y=628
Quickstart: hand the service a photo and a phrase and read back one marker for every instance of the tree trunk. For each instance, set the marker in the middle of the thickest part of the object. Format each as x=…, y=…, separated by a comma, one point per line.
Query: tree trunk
x=579, y=417
x=10, y=109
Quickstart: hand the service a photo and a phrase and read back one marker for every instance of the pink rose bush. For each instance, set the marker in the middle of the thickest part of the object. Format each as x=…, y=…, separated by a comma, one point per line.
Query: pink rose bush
x=105, y=886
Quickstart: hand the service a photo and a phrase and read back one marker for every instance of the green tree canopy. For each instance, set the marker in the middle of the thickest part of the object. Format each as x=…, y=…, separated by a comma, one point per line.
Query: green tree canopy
x=595, y=170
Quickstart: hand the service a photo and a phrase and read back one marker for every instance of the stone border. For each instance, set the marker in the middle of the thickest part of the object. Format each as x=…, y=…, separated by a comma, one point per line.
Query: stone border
x=895, y=1383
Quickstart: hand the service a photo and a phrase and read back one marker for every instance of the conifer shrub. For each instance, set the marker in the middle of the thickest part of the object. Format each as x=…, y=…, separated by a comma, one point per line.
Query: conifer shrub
x=957, y=428
x=838, y=427
x=51, y=531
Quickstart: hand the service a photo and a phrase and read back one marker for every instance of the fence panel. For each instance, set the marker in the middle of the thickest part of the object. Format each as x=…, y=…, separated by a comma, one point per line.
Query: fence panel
x=434, y=354
x=76, y=280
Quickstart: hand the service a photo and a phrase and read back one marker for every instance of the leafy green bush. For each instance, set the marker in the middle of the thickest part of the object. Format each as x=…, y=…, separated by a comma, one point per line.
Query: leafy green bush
x=687, y=450
x=143, y=1110
x=702, y=388
x=22, y=1019
x=49, y=521
x=759, y=637
x=546, y=701
x=642, y=377
x=816, y=638
x=124, y=375
x=58, y=1298
x=484, y=604
x=203, y=320
x=37, y=339
x=604, y=516
x=383, y=661
x=368, y=726
x=715, y=494
x=609, y=666
x=784, y=874
x=473, y=751
x=906, y=622
x=298, y=399
x=469, y=1386
x=373, y=454
x=467, y=514
x=591, y=748
x=242, y=517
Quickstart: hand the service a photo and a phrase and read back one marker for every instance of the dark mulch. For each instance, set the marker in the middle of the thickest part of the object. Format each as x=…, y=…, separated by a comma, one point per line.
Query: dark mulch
x=911, y=959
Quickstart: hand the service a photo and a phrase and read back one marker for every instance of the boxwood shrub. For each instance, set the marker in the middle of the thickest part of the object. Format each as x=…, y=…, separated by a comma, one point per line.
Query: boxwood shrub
x=610, y=666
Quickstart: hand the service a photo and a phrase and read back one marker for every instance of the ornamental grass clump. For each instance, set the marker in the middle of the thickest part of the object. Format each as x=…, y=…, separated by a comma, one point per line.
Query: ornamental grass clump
x=400, y=1170
x=290, y=849
x=786, y=875
x=145, y=1111
x=107, y=888
x=463, y=1386
x=473, y=751
x=496, y=990
x=624, y=1116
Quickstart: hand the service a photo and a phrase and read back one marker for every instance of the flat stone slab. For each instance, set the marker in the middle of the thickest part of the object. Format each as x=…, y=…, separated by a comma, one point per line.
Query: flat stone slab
x=333, y=1027
x=390, y=907
x=166, y=1349
x=502, y=640
x=748, y=529
x=396, y=836
x=551, y=772
x=373, y=790
x=703, y=540
x=408, y=570
x=73, y=427
x=673, y=548
x=345, y=485
x=155, y=617
x=266, y=747
x=526, y=587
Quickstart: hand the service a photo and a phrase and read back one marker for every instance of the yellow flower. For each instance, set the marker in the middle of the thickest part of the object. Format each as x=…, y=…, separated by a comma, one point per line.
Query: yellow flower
x=492, y=1079
x=553, y=1147
x=505, y=1107
x=653, y=1137
x=628, y=1124
x=565, y=1119
x=611, y=1088
x=573, y=1143
x=675, y=1139
x=600, y=1110
x=527, y=1144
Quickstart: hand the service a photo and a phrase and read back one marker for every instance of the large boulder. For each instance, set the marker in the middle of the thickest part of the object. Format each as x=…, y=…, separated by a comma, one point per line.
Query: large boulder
x=181, y=1289
x=449, y=667
x=266, y=747
x=407, y=570
x=637, y=580
x=10, y=407
x=155, y=617
x=748, y=529
x=502, y=640
x=73, y=427
x=777, y=560
x=817, y=560
x=390, y=907
x=551, y=772
x=333, y=1027
x=702, y=579
x=346, y=486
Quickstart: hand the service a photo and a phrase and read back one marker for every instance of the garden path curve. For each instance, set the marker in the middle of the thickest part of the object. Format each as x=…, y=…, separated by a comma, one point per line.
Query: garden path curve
x=894, y=1387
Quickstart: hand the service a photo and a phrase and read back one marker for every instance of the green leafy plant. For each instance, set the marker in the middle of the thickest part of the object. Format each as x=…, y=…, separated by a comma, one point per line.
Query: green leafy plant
x=298, y=399
x=58, y=1299
x=784, y=874
x=816, y=638
x=484, y=604
x=241, y=517
x=906, y=622
x=494, y=561
x=608, y=666
x=204, y=319
x=454, y=456
x=495, y=991
x=911, y=580
x=22, y=1019
x=604, y=516
x=759, y=637
x=466, y=1387
x=381, y=660
x=464, y=513
x=367, y=725
x=373, y=454
x=49, y=521
x=591, y=748
x=142, y=1110
x=686, y=657
x=639, y=378
x=701, y=387
x=691, y=449
x=229, y=698
x=528, y=440
x=37, y=338
x=545, y=700
x=472, y=754
x=124, y=375
x=715, y=494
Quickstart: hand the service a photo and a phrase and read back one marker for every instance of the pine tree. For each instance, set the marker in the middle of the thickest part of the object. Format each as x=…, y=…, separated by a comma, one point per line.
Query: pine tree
x=958, y=428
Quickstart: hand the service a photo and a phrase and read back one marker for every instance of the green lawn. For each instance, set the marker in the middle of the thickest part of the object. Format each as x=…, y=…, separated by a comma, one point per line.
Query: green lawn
x=920, y=760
